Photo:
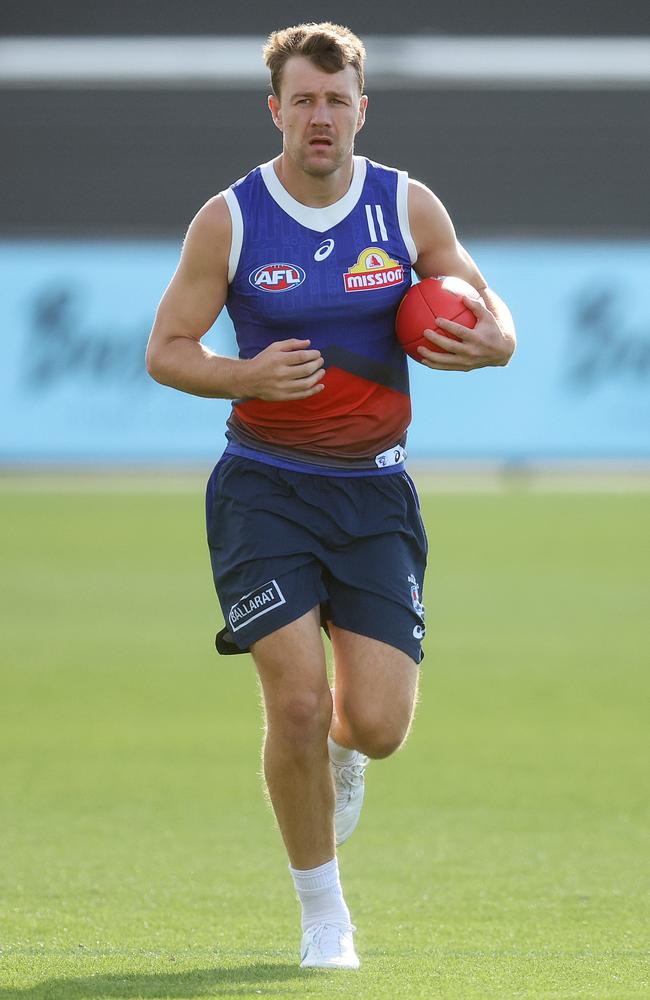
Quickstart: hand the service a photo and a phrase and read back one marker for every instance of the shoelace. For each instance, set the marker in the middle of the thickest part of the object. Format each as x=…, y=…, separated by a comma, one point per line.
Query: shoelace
x=349, y=774
x=330, y=932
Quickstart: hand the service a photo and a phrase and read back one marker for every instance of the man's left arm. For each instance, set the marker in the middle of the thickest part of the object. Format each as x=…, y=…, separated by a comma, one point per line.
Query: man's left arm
x=492, y=341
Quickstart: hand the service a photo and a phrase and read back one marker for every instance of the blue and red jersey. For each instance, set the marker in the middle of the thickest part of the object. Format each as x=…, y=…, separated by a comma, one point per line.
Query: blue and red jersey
x=334, y=276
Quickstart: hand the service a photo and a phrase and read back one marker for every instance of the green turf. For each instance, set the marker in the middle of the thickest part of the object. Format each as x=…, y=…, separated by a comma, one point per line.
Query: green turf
x=503, y=854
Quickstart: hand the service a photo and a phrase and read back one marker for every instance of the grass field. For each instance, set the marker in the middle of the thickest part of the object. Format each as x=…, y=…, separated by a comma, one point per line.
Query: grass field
x=504, y=853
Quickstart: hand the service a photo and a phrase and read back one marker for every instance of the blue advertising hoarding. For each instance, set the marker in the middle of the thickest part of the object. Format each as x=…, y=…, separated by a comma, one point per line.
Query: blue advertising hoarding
x=75, y=317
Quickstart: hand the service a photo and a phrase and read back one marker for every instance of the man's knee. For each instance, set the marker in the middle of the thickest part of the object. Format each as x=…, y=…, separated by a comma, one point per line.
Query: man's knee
x=377, y=735
x=378, y=745
x=300, y=718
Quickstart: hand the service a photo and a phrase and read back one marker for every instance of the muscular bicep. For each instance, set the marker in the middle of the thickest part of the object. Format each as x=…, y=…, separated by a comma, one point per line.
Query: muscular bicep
x=438, y=248
x=198, y=290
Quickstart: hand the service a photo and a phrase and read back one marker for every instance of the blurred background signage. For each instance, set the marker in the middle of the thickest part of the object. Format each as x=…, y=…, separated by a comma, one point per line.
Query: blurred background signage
x=76, y=315
x=120, y=120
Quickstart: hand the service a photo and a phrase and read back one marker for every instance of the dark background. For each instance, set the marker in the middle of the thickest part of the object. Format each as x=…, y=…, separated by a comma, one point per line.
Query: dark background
x=112, y=162
x=366, y=17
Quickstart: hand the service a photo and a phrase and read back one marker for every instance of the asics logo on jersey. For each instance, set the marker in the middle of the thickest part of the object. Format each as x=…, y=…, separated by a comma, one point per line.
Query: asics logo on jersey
x=374, y=269
x=324, y=250
x=277, y=277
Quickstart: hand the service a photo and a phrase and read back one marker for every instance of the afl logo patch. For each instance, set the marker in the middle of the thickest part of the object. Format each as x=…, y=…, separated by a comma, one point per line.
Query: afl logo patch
x=277, y=277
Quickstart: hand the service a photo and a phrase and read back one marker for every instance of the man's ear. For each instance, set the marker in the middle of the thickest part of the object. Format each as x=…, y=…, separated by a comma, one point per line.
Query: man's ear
x=276, y=111
x=363, y=104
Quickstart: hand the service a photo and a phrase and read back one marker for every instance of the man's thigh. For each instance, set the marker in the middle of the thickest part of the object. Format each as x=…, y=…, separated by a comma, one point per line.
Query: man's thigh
x=376, y=689
x=292, y=669
x=292, y=658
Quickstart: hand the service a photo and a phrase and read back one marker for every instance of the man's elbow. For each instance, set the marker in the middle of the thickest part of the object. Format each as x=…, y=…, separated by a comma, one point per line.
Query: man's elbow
x=511, y=347
x=154, y=362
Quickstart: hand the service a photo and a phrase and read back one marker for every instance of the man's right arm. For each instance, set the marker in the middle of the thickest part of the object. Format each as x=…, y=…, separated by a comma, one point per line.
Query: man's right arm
x=194, y=298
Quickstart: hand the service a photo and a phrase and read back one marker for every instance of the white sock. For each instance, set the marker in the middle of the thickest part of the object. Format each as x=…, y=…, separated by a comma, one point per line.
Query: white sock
x=320, y=894
x=338, y=754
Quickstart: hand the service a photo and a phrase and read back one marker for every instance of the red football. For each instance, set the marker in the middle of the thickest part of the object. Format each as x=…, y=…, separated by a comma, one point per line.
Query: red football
x=423, y=303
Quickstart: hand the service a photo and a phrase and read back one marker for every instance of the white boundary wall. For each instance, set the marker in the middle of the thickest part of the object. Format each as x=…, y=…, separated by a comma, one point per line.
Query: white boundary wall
x=401, y=62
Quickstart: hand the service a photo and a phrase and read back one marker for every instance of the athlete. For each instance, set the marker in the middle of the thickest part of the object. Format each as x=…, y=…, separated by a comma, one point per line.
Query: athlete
x=312, y=520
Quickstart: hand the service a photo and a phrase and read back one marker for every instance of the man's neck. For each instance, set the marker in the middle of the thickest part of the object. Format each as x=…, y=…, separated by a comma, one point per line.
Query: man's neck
x=315, y=192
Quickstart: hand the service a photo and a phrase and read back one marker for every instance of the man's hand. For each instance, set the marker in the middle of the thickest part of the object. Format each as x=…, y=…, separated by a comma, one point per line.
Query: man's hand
x=286, y=369
x=484, y=346
x=492, y=341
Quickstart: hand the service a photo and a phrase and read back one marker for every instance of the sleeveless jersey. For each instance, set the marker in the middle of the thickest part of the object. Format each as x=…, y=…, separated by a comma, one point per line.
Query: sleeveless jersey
x=334, y=276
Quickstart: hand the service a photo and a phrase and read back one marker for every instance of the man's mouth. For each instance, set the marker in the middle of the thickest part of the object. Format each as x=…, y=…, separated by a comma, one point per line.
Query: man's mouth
x=320, y=140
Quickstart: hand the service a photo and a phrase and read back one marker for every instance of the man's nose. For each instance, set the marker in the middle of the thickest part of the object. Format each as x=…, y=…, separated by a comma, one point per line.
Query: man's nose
x=321, y=114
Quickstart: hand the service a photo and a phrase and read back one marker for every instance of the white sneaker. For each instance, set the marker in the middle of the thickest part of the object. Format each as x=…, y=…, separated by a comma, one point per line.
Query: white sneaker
x=328, y=946
x=349, y=787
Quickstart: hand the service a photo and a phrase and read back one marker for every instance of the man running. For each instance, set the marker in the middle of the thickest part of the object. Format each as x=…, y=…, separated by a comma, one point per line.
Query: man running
x=312, y=520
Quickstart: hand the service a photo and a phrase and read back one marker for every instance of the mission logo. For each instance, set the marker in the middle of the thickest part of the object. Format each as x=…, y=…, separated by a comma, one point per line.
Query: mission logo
x=277, y=277
x=374, y=269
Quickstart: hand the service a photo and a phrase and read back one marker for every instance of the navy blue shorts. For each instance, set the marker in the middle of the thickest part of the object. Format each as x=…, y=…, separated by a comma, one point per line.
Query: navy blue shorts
x=284, y=542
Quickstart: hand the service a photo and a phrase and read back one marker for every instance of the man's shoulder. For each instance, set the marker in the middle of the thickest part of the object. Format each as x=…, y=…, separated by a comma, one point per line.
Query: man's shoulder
x=383, y=168
x=253, y=175
x=248, y=180
x=211, y=221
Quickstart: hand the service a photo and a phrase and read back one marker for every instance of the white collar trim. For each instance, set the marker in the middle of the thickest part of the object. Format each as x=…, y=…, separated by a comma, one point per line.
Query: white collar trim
x=319, y=219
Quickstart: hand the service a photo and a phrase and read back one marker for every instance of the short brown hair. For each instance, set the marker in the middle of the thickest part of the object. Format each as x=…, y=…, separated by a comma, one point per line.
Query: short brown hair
x=331, y=47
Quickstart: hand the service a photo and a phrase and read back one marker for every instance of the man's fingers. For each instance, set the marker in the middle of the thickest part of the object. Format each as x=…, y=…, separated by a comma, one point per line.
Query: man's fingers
x=303, y=357
x=297, y=373
x=302, y=371
x=307, y=381
x=291, y=344
x=307, y=386
x=308, y=392
x=440, y=340
x=477, y=306
x=447, y=324
x=444, y=362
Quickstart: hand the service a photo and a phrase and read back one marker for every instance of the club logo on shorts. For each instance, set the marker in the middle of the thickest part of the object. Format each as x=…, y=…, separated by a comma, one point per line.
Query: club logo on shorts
x=418, y=607
x=258, y=602
x=277, y=277
x=373, y=270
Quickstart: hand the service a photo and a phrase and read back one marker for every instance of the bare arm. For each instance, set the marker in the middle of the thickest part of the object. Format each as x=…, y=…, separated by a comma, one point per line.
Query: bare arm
x=492, y=341
x=193, y=300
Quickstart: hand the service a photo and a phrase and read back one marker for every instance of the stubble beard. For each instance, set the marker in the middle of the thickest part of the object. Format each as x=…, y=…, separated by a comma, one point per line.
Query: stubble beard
x=323, y=168
x=320, y=169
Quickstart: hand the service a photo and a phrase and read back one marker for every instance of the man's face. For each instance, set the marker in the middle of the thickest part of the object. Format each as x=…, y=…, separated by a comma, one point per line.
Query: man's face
x=319, y=115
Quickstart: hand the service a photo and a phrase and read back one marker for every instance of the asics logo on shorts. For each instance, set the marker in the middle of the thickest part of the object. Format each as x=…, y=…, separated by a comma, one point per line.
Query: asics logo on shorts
x=394, y=456
x=257, y=602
